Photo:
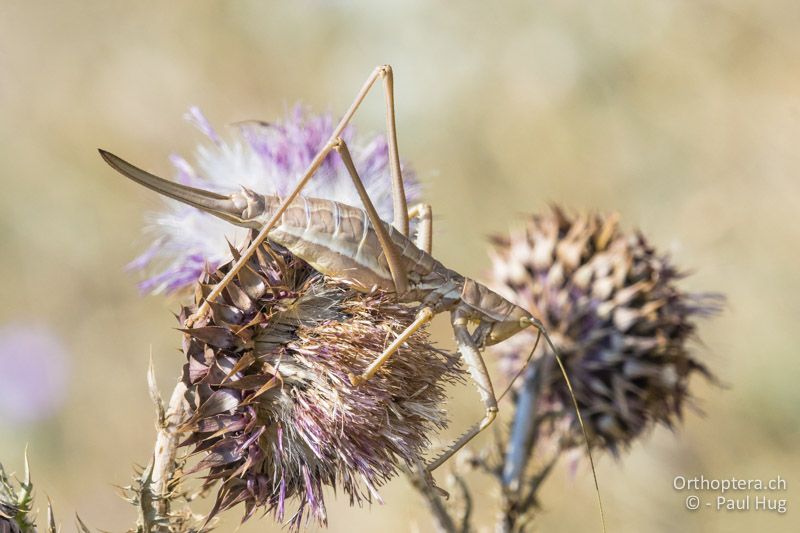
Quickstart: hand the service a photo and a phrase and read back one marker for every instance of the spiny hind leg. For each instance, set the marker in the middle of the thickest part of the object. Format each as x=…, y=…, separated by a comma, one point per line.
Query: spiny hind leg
x=385, y=73
x=424, y=316
x=424, y=239
x=399, y=275
x=480, y=375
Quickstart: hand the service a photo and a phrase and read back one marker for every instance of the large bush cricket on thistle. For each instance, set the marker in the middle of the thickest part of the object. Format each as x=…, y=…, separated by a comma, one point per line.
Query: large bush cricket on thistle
x=354, y=244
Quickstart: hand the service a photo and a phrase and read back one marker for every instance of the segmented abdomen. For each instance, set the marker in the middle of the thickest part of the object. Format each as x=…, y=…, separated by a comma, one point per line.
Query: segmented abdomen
x=490, y=305
x=339, y=241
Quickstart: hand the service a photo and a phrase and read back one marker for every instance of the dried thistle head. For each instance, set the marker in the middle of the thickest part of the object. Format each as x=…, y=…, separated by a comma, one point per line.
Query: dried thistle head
x=266, y=157
x=274, y=415
x=612, y=305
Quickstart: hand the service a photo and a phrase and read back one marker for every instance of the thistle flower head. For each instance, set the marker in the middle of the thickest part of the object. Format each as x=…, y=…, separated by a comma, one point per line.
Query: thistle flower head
x=611, y=303
x=275, y=417
x=269, y=158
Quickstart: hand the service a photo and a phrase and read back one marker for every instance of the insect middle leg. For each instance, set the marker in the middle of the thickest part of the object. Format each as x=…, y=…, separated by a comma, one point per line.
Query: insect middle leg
x=480, y=375
x=390, y=251
x=424, y=315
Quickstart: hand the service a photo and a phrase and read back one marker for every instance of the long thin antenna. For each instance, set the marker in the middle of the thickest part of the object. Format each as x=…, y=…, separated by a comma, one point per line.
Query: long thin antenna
x=538, y=325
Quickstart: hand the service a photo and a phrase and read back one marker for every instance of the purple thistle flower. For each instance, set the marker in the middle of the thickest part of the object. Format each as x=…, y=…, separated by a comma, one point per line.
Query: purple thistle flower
x=269, y=158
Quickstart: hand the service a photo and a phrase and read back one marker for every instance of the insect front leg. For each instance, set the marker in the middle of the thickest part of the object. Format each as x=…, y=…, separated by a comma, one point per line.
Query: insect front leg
x=480, y=375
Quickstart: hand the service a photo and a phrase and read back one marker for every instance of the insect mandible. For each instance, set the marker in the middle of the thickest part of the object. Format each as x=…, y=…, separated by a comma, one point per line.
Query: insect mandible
x=351, y=243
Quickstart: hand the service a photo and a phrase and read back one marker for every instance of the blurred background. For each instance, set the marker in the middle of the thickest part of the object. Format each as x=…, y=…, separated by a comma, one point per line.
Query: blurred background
x=683, y=116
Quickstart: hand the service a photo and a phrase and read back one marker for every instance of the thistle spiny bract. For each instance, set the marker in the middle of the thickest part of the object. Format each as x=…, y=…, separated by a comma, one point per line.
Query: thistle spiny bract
x=273, y=410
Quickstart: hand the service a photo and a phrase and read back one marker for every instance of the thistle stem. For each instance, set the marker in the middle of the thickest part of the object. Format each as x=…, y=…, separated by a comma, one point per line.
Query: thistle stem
x=523, y=431
x=515, y=503
x=166, y=446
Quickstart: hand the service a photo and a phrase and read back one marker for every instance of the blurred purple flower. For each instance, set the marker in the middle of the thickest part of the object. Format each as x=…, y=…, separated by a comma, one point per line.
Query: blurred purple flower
x=33, y=382
x=269, y=158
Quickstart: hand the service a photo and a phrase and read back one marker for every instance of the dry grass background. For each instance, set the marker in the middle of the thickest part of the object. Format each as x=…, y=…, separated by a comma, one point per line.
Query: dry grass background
x=684, y=116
